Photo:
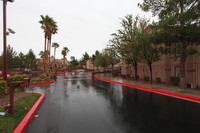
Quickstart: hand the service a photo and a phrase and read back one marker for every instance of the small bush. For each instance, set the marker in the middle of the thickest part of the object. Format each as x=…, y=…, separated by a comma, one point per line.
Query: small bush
x=158, y=80
x=19, y=77
x=146, y=78
x=40, y=80
x=15, y=78
x=3, y=87
x=48, y=79
x=174, y=80
x=43, y=76
x=10, y=79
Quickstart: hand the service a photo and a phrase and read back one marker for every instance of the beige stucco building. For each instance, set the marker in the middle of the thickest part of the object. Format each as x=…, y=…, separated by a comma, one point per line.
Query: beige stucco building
x=167, y=67
x=59, y=64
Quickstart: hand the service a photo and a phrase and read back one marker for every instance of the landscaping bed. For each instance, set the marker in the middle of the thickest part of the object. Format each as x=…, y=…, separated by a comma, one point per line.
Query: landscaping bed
x=41, y=78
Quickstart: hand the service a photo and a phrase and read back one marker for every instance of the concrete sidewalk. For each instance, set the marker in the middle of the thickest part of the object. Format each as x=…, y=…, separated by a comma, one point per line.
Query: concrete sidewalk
x=176, y=89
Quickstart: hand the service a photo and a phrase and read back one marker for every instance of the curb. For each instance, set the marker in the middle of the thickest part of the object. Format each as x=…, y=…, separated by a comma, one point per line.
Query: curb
x=23, y=125
x=43, y=83
x=162, y=92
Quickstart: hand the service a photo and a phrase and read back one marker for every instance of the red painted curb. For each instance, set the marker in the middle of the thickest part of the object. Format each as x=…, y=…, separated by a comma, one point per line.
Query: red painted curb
x=162, y=92
x=23, y=125
x=53, y=73
x=43, y=83
x=59, y=73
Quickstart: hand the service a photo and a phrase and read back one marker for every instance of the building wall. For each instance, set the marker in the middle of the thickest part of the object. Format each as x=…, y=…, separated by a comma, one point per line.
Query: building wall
x=167, y=67
x=58, y=62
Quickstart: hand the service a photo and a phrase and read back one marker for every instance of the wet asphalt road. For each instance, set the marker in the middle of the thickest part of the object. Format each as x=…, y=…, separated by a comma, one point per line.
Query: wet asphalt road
x=76, y=104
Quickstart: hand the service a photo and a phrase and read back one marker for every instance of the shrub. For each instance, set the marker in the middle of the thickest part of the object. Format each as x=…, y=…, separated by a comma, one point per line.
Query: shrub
x=48, y=79
x=174, y=80
x=3, y=87
x=40, y=80
x=10, y=79
x=19, y=77
x=32, y=80
x=146, y=78
x=43, y=76
x=158, y=80
x=15, y=78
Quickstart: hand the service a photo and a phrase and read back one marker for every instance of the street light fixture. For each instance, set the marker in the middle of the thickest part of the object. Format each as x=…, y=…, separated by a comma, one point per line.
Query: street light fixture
x=10, y=31
x=5, y=40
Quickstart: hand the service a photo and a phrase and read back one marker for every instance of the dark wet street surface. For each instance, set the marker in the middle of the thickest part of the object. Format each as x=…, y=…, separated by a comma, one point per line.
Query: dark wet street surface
x=77, y=104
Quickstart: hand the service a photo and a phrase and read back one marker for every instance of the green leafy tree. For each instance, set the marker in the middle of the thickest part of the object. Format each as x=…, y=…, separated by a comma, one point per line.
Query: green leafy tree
x=12, y=58
x=125, y=41
x=22, y=58
x=178, y=27
x=104, y=60
x=30, y=61
x=74, y=62
x=94, y=59
x=112, y=55
x=84, y=59
x=150, y=52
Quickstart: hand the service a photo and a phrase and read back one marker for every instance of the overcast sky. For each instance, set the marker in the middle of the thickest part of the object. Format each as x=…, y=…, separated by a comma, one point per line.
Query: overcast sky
x=84, y=25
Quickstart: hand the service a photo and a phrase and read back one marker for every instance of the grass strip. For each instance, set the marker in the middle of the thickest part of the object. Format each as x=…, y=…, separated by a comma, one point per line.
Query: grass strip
x=21, y=107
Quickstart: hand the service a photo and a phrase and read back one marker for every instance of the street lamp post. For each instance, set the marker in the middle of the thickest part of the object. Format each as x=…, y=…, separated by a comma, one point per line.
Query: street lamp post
x=5, y=40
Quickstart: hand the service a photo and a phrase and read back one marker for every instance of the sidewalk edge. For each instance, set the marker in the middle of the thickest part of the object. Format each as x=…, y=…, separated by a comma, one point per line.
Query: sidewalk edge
x=162, y=92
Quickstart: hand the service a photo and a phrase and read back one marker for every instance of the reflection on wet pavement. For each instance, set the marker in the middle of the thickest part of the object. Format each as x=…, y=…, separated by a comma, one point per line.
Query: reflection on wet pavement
x=76, y=104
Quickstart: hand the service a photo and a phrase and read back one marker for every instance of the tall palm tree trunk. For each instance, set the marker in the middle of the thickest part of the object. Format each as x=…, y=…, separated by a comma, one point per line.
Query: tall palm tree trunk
x=44, y=58
x=54, y=58
x=48, y=57
x=64, y=61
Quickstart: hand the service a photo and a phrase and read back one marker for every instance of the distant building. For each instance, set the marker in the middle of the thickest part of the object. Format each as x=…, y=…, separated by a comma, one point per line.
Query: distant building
x=90, y=65
x=58, y=64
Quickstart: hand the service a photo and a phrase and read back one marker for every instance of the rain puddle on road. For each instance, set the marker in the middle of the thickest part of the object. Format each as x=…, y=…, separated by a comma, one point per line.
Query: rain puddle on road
x=81, y=105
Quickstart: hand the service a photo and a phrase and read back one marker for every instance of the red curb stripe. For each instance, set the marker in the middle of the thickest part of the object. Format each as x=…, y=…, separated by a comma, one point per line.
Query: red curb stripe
x=23, y=125
x=162, y=92
x=59, y=73
x=43, y=83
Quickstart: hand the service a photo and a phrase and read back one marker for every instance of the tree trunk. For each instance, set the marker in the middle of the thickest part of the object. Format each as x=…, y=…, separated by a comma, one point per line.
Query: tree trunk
x=44, y=58
x=48, y=58
x=182, y=71
x=64, y=61
x=112, y=66
x=150, y=68
x=112, y=71
x=136, y=78
x=54, y=58
x=49, y=52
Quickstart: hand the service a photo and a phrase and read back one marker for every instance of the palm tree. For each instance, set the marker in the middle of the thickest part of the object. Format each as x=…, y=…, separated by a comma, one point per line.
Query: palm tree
x=64, y=53
x=55, y=45
x=49, y=27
